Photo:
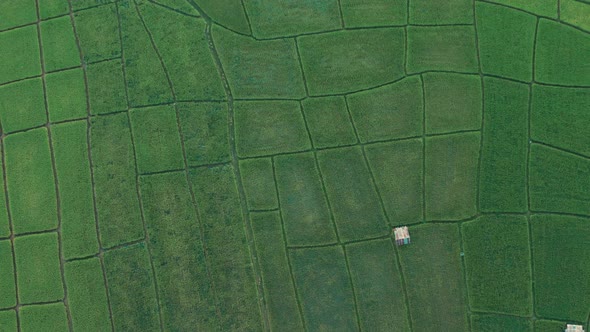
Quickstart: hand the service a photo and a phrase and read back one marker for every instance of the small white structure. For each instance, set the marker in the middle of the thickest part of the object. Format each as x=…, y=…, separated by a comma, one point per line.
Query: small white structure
x=574, y=328
x=402, y=236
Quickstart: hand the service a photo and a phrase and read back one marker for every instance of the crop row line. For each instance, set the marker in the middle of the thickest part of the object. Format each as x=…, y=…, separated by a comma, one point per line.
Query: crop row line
x=98, y=4
x=236, y=168
x=54, y=171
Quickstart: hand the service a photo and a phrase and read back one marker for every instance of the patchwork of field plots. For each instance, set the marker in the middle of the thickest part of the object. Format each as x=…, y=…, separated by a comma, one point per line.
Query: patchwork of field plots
x=217, y=165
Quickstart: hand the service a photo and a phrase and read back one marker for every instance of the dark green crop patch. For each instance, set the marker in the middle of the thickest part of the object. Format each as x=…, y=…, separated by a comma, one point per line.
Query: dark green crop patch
x=352, y=195
x=498, y=264
x=560, y=244
x=98, y=32
x=270, y=127
x=368, y=13
x=106, y=87
x=498, y=26
x=204, y=132
x=561, y=56
x=117, y=203
x=432, y=265
x=324, y=288
x=285, y=18
x=453, y=102
x=280, y=290
x=377, y=283
x=328, y=121
x=259, y=69
x=303, y=202
x=397, y=167
x=337, y=62
x=46, y=317
x=451, y=176
x=156, y=139
x=391, y=111
x=259, y=184
x=444, y=48
x=486, y=322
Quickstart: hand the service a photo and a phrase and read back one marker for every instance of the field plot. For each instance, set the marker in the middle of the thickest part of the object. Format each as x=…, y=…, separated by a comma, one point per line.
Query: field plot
x=238, y=165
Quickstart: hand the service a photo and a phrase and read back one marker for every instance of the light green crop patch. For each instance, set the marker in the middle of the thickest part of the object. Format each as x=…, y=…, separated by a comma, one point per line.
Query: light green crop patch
x=98, y=31
x=324, y=288
x=259, y=69
x=52, y=8
x=397, y=167
x=269, y=127
x=279, y=288
x=37, y=265
x=7, y=285
x=391, y=111
x=446, y=48
x=16, y=13
x=78, y=225
x=328, y=121
x=576, y=13
x=22, y=106
x=157, y=141
x=338, y=62
x=46, y=317
x=87, y=295
x=377, y=282
x=8, y=320
x=66, y=95
x=20, y=54
x=205, y=132
x=272, y=19
x=59, y=44
x=259, y=185
x=30, y=181
x=303, y=202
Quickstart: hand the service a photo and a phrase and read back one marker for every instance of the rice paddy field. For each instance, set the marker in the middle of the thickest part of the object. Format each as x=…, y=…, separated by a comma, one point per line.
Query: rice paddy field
x=239, y=165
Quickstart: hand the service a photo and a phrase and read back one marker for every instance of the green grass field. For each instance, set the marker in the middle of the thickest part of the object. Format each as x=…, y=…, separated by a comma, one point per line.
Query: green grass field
x=238, y=165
